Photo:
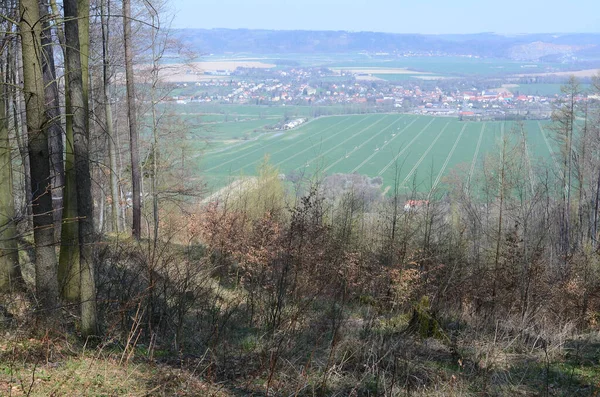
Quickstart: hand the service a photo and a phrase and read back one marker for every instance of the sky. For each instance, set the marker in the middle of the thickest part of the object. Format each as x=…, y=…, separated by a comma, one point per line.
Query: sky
x=396, y=16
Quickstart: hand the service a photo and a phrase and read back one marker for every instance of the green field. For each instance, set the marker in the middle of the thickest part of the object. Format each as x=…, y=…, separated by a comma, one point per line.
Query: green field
x=214, y=125
x=218, y=112
x=424, y=149
x=243, y=129
x=543, y=89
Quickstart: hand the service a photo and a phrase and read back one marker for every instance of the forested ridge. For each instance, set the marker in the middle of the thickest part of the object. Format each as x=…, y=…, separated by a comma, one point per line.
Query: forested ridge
x=492, y=45
x=120, y=275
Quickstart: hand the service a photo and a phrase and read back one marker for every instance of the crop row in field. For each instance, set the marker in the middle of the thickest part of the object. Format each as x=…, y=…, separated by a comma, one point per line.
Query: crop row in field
x=415, y=151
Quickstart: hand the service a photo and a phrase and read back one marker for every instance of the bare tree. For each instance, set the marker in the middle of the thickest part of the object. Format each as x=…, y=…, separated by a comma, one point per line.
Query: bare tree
x=106, y=79
x=132, y=117
x=564, y=117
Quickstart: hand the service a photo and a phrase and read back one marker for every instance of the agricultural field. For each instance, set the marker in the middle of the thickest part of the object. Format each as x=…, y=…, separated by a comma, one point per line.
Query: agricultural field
x=542, y=89
x=407, y=76
x=235, y=130
x=213, y=126
x=218, y=112
x=422, y=150
x=439, y=66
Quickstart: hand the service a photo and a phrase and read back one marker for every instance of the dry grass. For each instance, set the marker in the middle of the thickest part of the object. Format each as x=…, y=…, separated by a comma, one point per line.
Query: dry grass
x=382, y=361
x=93, y=373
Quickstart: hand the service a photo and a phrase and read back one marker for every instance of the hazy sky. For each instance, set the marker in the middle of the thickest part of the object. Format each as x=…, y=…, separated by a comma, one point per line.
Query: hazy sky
x=400, y=16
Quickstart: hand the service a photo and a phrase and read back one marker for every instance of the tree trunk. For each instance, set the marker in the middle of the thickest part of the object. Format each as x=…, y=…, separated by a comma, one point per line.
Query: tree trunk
x=9, y=258
x=20, y=124
x=155, y=138
x=581, y=178
x=499, y=226
x=573, y=92
x=55, y=133
x=69, y=266
x=596, y=213
x=85, y=202
x=114, y=185
x=39, y=156
x=132, y=117
x=76, y=27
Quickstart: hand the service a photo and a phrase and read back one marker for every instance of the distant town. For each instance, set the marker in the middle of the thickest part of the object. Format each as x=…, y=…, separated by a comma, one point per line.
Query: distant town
x=322, y=87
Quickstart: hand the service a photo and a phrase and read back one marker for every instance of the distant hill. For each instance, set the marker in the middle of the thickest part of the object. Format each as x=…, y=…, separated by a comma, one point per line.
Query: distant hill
x=582, y=46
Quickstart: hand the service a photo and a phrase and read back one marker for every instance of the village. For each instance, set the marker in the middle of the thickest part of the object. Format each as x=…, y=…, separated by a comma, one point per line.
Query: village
x=323, y=87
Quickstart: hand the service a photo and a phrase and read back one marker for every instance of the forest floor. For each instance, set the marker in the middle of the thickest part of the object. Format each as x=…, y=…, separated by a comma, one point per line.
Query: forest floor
x=487, y=365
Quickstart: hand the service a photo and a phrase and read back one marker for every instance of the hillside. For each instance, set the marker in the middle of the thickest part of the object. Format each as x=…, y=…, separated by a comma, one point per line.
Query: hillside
x=583, y=46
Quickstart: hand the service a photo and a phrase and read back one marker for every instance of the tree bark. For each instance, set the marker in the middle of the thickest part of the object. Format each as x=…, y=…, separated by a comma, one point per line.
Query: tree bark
x=69, y=266
x=20, y=124
x=33, y=87
x=77, y=36
x=9, y=259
